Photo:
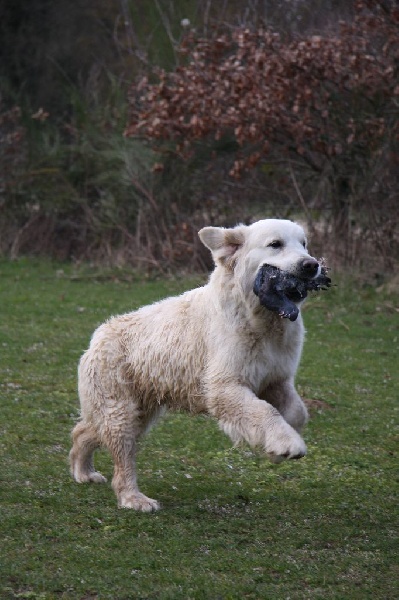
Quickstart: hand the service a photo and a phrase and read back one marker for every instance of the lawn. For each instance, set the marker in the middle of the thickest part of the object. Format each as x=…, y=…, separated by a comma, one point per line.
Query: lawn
x=232, y=525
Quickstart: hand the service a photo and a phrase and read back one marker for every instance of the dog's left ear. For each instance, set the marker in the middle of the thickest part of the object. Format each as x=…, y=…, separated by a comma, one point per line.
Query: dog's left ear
x=223, y=243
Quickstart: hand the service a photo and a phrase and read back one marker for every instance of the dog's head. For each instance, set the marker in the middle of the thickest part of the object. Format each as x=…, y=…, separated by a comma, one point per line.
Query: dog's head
x=276, y=242
x=244, y=250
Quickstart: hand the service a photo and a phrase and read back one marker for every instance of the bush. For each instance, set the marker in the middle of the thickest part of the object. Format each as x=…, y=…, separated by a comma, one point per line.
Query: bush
x=297, y=121
x=75, y=190
x=320, y=111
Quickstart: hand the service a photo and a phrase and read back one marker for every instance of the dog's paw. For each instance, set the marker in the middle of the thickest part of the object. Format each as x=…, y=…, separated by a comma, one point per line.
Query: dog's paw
x=96, y=477
x=138, y=501
x=283, y=442
x=88, y=477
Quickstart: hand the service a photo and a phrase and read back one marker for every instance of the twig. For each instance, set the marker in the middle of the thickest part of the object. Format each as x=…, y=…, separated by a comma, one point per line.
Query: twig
x=166, y=24
x=298, y=191
x=344, y=325
x=145, y=193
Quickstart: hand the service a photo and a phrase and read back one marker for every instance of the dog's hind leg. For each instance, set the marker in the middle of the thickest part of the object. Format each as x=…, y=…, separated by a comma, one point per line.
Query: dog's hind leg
x=85, y=442
x=124, y=482
x=120, y=435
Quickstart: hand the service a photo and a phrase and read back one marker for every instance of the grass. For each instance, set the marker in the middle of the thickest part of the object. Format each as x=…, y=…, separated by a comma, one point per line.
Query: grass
x=232, y=525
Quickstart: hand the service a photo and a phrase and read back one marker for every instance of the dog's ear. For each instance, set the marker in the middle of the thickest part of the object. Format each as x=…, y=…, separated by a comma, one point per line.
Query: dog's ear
x=223, y=243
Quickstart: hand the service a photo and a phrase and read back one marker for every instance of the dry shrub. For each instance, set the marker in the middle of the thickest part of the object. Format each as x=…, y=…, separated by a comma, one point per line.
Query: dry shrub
x=321, y=111
x=253, y=123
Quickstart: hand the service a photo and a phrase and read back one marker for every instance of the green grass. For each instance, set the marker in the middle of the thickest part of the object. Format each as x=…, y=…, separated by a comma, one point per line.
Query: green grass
x=232, y=525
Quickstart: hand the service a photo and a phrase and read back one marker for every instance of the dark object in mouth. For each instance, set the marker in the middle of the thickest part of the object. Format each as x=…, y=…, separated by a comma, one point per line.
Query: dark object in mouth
x=280, y=291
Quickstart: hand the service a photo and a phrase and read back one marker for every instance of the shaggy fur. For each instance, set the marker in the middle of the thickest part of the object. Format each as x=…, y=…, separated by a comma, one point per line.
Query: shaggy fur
x=212, y=350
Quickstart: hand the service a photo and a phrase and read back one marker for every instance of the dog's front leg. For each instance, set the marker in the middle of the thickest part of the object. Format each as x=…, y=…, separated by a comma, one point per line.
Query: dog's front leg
x=244, y=417
x=283, y=396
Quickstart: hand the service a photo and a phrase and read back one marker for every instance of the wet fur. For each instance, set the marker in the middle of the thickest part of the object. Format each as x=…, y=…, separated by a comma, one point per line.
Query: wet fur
x=213, y=350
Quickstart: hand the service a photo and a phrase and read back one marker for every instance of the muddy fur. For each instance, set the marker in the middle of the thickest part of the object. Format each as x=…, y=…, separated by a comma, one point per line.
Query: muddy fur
x=213, y=350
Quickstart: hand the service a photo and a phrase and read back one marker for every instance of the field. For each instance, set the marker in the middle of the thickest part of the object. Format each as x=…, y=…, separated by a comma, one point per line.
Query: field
x=232, y=526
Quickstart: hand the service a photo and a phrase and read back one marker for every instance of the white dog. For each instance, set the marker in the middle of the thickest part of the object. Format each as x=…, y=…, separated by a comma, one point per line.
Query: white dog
x=213, y=350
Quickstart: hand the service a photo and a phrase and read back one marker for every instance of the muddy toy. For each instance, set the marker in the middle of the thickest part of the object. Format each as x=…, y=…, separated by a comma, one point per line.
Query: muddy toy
x=280, y=291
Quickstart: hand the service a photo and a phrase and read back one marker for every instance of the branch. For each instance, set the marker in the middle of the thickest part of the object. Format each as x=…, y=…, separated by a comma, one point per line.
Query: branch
x=299, y=194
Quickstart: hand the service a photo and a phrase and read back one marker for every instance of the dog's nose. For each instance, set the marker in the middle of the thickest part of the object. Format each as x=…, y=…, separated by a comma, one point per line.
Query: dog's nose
x=309, y=267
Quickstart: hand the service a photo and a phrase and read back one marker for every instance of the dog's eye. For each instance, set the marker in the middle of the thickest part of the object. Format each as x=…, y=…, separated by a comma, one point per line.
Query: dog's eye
x=275, y=244
x=304, y=244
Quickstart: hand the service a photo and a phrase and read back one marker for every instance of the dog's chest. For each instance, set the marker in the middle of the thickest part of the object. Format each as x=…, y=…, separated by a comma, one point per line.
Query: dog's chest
x=271, y=359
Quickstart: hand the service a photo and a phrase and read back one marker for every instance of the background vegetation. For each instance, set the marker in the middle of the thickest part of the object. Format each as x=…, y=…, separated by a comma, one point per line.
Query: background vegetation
x=82, y=179
x=304, y=125
x=233, y=526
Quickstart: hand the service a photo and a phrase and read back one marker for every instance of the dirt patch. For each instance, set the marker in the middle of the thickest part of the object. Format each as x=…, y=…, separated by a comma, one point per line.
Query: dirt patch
x=313, y=405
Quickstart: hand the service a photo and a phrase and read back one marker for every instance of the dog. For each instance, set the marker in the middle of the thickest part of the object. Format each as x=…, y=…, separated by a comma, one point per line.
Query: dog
x=213, y=350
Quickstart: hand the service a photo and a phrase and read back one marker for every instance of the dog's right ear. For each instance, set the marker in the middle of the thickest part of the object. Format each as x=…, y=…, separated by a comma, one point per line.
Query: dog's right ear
x=223, y=243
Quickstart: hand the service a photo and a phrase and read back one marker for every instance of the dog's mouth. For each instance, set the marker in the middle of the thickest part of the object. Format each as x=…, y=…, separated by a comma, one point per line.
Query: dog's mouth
x=280, y=291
